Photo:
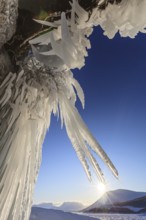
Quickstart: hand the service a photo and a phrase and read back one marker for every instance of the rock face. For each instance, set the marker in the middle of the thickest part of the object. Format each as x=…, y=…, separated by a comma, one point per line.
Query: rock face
x=5, y=64
x=8, y=15
x=63, y=5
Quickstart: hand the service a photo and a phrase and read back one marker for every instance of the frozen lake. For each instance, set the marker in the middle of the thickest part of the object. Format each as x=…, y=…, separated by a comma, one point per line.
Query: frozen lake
x=50, y=214
x=117, y=216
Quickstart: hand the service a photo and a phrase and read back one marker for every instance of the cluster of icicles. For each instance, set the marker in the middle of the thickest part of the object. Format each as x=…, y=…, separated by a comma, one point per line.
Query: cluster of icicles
x=27, y=101
x=46, y=85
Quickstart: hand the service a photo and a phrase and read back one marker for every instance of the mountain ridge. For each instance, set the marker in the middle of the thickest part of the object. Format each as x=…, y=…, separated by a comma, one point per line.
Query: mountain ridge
x=65, y=206
x=119, y=201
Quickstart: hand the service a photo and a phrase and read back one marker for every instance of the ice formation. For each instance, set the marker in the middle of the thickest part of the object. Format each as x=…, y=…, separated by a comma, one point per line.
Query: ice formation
x=46, y=85
x=128, y=18
x=27, y=101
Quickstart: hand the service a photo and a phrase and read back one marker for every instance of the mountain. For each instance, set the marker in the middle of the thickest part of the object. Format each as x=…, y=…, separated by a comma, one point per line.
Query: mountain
x=136, y=205
x=66, y=206
x=121, y=201
x=71, y=206
x=46, y=206
x=49, y=214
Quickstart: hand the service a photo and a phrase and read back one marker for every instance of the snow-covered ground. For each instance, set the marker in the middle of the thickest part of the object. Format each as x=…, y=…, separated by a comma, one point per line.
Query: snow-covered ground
x=49, y=214
x=116, y=216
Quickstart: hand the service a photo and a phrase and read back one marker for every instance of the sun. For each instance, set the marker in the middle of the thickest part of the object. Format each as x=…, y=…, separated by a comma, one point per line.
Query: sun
x=101, y=188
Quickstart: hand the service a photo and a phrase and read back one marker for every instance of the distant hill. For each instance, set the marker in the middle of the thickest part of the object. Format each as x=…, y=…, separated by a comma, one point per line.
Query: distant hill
x=119, y=201
x=46, y=206
x=71, y=206
x=66, y=206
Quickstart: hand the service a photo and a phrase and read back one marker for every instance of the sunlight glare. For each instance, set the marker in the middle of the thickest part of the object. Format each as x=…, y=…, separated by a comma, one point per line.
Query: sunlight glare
x=101, y=188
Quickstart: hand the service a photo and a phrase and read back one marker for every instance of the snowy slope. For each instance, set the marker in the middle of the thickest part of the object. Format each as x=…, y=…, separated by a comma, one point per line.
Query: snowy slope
x=116, y=196
x=48, y=214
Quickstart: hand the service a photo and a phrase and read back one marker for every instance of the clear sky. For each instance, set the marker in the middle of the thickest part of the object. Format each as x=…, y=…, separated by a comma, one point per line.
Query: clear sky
x=114, y=83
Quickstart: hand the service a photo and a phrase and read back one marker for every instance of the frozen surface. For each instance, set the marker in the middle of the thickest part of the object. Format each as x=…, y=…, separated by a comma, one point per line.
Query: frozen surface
x=117, y=216
x=44, y=214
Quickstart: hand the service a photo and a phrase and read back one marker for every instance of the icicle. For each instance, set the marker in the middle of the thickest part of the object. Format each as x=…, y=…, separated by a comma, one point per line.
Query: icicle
x=79, y=90
x=82, y=15
x=76, y=127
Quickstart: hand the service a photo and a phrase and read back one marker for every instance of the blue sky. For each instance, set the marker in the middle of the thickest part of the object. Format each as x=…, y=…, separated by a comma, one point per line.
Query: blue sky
x=114, y=83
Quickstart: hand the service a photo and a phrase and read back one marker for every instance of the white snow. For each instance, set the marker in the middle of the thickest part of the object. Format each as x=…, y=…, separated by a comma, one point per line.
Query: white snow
x=45, y=214
x=115, y=216
x=135, y=209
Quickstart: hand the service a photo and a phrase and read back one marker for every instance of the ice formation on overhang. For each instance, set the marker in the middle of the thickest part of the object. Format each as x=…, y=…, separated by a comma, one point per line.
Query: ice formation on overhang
x=128, y=18
x=69, y=42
